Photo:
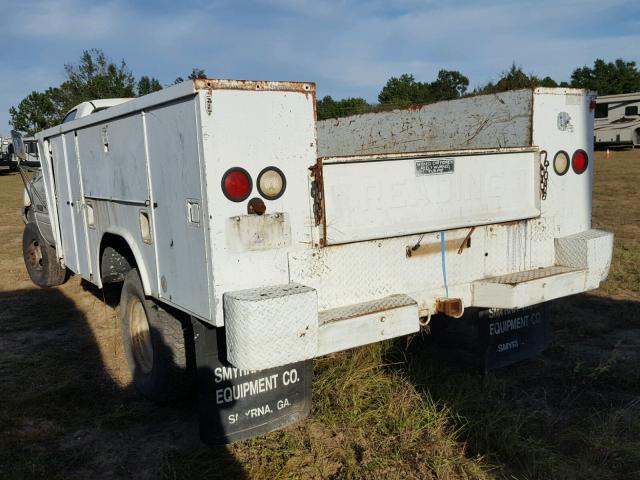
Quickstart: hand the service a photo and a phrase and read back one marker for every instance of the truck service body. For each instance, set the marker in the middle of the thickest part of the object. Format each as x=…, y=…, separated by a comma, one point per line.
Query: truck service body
x=378, y=221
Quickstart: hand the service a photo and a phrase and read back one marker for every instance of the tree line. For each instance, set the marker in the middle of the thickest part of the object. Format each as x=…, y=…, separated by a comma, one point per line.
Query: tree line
x=96, y=76
x=607, y=78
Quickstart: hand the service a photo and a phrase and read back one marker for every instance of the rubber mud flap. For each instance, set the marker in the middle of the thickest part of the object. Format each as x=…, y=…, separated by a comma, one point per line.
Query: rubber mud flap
x=491, y=338
x=236, y=404
x=512, y=335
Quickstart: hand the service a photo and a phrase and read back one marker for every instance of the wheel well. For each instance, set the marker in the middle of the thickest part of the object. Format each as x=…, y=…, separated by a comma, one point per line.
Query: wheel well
x=116, y=258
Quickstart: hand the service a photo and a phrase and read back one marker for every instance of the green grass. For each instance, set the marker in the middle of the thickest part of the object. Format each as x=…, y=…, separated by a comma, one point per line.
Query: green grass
x=368, y=421
x=625, y=268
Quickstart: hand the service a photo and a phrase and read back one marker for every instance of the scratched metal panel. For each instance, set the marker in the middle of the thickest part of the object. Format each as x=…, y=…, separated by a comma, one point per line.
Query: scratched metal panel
x=255, y=129
x=358, y=272
x=366, y=200
x=486, y=121
x=178, y=210
x=113, y=160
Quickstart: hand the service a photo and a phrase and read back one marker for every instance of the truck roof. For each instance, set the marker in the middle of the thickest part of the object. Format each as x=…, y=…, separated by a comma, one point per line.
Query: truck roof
x=184, y=89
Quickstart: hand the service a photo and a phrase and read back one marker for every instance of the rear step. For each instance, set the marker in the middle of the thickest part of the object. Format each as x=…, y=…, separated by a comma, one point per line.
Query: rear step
x=521, y=289
x=368, y=322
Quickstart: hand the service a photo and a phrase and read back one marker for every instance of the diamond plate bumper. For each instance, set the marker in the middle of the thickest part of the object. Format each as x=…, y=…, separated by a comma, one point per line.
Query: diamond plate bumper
x=582, y=262
x=271, y=326
x=277, y=325
x=368, y=322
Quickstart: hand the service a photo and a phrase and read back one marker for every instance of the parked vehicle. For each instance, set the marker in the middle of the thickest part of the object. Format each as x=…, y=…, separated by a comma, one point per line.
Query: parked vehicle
x=245, y=254
x=7, y=160
x=30, y=148
x=617, y=120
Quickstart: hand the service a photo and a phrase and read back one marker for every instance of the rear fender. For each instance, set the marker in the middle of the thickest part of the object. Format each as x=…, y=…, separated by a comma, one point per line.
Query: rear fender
x=137, y=254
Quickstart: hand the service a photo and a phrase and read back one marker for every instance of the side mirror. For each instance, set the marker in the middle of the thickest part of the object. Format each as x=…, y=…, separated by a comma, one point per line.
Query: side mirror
x=18, y=145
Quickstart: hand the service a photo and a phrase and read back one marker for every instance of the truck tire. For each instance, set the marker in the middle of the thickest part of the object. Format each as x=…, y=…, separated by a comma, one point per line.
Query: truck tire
x=41, y=259
x=157, y=344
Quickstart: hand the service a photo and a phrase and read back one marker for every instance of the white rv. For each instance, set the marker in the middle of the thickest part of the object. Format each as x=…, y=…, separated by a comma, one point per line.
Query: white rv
x=617, y=120
x=237, y=222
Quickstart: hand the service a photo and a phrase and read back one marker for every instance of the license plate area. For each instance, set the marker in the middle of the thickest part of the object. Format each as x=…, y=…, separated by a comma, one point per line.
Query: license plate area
x=381, y=196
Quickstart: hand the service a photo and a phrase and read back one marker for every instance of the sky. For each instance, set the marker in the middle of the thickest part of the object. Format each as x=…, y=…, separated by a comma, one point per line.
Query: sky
x=347, y=47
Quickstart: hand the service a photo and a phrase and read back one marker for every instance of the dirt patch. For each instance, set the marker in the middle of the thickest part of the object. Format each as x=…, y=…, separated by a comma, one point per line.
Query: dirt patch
x=67, y=409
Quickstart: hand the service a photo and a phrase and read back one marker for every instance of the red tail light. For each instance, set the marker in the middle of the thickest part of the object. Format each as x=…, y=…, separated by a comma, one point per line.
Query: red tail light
x=579, y=161
x=236, y=184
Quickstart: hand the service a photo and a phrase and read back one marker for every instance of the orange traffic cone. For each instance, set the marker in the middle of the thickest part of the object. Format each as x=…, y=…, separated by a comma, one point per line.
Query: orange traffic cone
x=606, y=155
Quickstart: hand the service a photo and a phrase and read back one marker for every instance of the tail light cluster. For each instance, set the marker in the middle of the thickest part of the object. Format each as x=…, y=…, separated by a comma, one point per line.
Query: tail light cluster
x=237, y=184
x=579, y=162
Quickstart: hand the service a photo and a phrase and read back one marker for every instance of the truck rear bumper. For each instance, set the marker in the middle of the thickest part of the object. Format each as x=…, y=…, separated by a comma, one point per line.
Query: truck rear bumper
x=368, y=322
x=517, y=290
x=272, y=326
x=276, y=325
x=582, y=262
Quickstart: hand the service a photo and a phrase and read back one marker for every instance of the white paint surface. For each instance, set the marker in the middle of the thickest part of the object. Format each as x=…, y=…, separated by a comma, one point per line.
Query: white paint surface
x=383, y=198
x=167, y=153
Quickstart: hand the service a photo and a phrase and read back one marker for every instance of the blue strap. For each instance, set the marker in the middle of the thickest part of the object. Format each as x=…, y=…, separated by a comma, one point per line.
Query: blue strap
x=444, y=265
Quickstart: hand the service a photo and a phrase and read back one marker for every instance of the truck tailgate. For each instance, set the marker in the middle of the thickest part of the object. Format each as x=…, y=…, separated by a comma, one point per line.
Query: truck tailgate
x=381, y=196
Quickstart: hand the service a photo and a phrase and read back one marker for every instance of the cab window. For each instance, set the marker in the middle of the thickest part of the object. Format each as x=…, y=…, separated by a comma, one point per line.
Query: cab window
x=70, y=116
x=31, y=148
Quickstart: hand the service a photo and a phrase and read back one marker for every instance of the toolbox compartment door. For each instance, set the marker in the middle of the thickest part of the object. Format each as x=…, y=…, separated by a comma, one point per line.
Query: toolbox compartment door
x=382, y=196
x=178, y=210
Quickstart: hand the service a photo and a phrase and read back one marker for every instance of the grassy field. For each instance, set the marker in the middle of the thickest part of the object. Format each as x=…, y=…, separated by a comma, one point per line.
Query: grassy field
x=67, y=409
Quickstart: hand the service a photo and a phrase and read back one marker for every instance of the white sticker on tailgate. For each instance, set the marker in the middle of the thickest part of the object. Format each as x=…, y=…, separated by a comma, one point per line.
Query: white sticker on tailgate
x=435, y=166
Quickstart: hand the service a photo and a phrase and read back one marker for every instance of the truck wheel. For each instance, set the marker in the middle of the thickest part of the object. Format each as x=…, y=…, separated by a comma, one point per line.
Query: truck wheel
x=157, y=345
x=40, y=258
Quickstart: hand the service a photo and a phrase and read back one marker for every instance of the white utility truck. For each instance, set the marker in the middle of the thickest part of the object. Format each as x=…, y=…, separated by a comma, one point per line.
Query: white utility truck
x=251, y=239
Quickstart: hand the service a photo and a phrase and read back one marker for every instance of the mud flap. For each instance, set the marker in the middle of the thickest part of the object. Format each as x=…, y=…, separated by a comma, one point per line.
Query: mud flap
x=491, y=338
x=236, y=404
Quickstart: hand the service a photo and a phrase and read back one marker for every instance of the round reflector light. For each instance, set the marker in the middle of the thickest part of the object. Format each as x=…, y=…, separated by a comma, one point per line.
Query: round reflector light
x=271, y=183
x=561, y=162
x=579, y=161
x=236, y=184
